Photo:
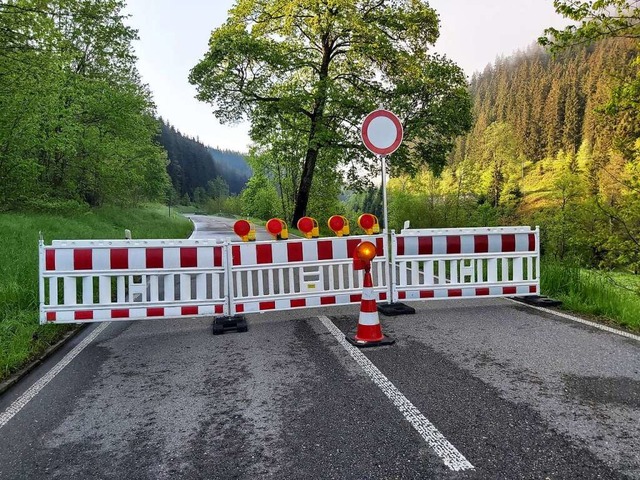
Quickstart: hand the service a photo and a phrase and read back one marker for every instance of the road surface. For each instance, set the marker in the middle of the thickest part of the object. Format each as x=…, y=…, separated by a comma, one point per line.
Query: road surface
x=472, y=389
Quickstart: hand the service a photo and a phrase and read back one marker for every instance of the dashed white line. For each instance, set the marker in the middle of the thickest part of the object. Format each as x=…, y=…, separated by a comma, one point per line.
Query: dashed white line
x=27, y=396
x=441, y=446
x=599, y=326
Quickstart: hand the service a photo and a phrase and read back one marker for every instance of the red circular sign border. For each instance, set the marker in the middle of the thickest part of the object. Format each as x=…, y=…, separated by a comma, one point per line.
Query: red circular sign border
x=365, y=137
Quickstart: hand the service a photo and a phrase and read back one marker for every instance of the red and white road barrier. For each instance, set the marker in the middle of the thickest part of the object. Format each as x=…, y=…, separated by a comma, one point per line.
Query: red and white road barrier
x=465, y=262
x=105, y=280
x=297, y=274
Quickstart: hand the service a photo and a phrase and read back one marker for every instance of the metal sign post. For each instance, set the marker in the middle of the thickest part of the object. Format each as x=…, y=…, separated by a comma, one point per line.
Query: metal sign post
x=382, y=135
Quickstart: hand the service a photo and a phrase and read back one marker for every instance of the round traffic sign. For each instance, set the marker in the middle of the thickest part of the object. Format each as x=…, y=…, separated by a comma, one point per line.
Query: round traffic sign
x=382, y=132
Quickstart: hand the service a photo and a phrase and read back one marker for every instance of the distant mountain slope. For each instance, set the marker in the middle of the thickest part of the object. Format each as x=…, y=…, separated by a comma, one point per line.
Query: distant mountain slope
x=193, y=165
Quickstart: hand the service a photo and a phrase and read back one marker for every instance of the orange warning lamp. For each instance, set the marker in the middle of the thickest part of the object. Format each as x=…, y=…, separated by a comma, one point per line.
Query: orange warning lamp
x=245, y=230
x=339, y=225
x=278, y=228
x=309, y=227
x=369, y=223
x=362, y=256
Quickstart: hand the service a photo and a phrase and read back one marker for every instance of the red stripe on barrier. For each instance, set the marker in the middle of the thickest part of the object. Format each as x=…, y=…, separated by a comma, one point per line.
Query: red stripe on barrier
x=425, y=245
x=400, y=246
x=480, y=243
x=352, y=243
x=380, y=247
x=239, y=308
x=264, y=254
x=82, y=259
x=327, y=300
x=188, y=257
x=508, y=242
x=532, y=242
x=219, y=308
x=294, y=251
x=155, y=312
x=83, y=315
x=454, y=292
x=119, y=258
x=453, y=244
x=383, y=296
x=533, y=289
x=368, y=306
x=325, y=250
x=50, y=262
x=402, y=295
x=189, y=310
x=235, y=253
x=120, y=313
x=482, y=291
x=154, y=258
x=217, y=256
x=509, y=290
x=355, y=298
x=427, y=294
x=298, y=302
x=51, y=316
x=267, y=305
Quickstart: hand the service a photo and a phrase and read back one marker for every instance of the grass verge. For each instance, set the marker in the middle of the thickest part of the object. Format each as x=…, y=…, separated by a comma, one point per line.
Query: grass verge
x=592, y=293
x=21, y=337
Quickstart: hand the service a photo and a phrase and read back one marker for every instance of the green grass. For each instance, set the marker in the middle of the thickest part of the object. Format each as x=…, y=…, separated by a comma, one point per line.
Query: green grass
x=21, y=337
x=593, y=293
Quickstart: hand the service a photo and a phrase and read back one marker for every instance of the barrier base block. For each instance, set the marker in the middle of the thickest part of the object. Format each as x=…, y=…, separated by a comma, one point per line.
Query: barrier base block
x=395, y=309
x=235, y=322
x=365, y=344
x=539, y=301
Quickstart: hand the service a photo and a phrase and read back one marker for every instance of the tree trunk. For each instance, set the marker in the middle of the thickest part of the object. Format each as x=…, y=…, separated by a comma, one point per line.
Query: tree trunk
x=302, y=198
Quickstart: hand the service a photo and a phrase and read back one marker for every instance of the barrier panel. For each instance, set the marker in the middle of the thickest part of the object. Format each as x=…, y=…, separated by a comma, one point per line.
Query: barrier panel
x=465, y=262
x=297, y=274
x=102, y=280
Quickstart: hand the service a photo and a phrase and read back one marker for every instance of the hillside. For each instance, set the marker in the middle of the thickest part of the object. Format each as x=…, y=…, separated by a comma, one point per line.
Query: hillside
x=193, y=165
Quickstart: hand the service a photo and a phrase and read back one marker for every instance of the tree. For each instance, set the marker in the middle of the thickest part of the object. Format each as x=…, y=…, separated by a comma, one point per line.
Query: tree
x=316, y=68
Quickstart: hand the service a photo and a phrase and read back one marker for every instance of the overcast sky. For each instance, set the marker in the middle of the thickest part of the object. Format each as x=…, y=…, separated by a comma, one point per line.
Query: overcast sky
x=174, y=36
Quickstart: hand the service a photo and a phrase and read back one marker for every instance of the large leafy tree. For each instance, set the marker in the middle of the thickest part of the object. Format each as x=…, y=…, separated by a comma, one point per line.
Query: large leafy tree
x=313, y=69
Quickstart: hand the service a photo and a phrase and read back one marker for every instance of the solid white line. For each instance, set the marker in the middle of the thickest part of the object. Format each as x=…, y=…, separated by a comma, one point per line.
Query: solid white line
x=445, y=450
x=599, y=326
x=27, y=396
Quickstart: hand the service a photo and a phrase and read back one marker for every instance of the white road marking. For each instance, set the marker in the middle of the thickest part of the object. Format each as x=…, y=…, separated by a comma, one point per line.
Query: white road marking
x=445, y=450
x=27, y=396
x=582, y=320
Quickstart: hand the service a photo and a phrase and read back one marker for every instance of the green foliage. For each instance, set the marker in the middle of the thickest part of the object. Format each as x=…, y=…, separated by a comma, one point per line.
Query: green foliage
x=260, y=199
x=589, y=292
x=306, y=73
x=21, y=338
x=75, y=122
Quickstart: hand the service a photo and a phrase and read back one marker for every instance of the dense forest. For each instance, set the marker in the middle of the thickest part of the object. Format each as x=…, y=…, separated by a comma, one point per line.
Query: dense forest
x=76, y=124
x=550, y=145
x=194, y=166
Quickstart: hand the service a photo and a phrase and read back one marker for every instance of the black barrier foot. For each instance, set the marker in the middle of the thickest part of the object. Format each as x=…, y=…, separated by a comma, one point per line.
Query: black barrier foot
x=395, y=309
x=236, y=322
x=539, y=301
x=366, y=343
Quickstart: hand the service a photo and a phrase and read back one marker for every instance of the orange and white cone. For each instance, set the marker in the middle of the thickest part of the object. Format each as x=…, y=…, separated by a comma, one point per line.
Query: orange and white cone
x=369, y=331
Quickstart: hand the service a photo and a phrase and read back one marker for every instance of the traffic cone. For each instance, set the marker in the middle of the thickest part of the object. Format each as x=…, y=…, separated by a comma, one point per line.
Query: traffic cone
x=369, y=331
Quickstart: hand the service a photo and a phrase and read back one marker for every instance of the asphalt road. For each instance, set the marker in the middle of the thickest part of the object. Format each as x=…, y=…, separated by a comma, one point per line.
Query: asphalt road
x=519, y=394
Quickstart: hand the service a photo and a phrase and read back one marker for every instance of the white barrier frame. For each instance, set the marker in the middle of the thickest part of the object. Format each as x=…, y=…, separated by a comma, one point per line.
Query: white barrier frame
x=103, y=294
x=508, y=274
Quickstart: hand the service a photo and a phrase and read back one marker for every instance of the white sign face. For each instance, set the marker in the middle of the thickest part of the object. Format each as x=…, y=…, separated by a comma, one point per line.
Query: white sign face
x=382, y=132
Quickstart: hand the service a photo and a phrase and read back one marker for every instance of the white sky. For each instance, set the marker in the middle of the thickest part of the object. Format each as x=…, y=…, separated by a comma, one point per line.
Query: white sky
x=174, y=37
